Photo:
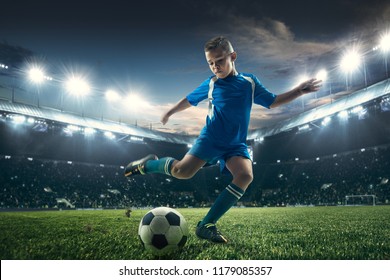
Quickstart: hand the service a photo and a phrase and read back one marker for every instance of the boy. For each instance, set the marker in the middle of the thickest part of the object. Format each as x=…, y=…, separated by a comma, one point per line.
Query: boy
x=223, y=138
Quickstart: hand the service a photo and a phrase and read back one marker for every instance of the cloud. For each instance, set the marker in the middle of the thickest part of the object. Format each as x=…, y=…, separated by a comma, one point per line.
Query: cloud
x=189, y=121
x=273, y=45
x=261, y=117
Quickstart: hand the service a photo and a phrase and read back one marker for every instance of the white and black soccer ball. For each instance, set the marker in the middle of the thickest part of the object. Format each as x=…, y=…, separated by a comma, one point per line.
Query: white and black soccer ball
x=163, y=230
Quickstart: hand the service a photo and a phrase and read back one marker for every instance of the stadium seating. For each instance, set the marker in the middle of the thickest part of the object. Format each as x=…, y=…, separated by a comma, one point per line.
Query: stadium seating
x=31, y=183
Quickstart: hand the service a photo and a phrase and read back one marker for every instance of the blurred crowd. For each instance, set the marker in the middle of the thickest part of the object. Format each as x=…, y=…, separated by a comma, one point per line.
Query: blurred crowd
x=327, y=180
x=38, y=183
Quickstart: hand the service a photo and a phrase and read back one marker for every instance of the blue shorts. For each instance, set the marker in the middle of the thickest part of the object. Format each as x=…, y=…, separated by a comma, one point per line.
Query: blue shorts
x=213, y=153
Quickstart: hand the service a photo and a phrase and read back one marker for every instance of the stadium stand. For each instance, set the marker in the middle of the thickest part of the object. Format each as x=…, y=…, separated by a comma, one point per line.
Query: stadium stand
x=49, y=161
x=44, y=165
x=35, y=183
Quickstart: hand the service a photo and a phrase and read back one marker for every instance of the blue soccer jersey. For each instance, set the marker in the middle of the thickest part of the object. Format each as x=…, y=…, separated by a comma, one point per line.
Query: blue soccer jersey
x=230, y=104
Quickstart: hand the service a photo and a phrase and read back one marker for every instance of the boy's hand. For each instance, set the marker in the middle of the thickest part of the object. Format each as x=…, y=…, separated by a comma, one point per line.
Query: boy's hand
x=180, y=106
x=164, y=118
x=309, y=86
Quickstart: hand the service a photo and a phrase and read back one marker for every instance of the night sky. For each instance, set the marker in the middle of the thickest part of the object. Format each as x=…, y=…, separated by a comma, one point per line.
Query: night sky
x=155, y=48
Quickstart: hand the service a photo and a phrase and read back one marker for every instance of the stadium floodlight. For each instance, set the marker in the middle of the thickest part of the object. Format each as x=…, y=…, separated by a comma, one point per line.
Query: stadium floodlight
x=357, y=109
x=109, y=135
x=343, y=114
x=77, y=86
x=326, y=121
x=136, y=102
x=385, y=42
x=89, y=131
x=112, y=95
x=385, y=47
x=351, y=61
x=136, y=138
x=19, y=119
x=304, y=127
x=36, y=75
x=73, y=128
x=259, y=139
x=322, y=75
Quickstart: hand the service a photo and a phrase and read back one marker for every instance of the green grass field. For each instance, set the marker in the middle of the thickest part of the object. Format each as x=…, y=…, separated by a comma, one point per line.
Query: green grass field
x=254, y=233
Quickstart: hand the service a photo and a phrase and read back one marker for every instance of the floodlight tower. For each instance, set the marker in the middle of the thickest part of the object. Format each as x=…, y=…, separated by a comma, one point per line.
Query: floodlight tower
x=79, y=87
x=350, y=62
x=385, y=47
x=37, y=76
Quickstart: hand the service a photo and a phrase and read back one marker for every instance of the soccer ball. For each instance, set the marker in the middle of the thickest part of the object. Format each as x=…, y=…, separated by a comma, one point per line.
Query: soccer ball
x=163, y=230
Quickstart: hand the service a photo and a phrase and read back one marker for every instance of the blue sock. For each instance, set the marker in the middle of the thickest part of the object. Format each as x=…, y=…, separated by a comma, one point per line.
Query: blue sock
x=227, y=198
x=162, y=166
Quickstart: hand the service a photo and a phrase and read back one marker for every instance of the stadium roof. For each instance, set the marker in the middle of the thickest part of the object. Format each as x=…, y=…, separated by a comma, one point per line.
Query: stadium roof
x=69, y=118
x=349, y=101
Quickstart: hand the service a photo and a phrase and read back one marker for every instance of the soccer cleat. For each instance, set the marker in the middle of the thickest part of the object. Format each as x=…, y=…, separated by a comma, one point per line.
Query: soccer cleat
x=138, y=167
x=210, y=232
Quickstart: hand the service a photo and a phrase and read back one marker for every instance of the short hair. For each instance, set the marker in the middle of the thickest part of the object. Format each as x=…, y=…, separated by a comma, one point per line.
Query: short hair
x=218, y=42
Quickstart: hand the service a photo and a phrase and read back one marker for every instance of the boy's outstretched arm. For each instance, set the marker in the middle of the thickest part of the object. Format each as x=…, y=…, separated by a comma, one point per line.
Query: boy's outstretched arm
x=180, y=106
x=304, y=88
